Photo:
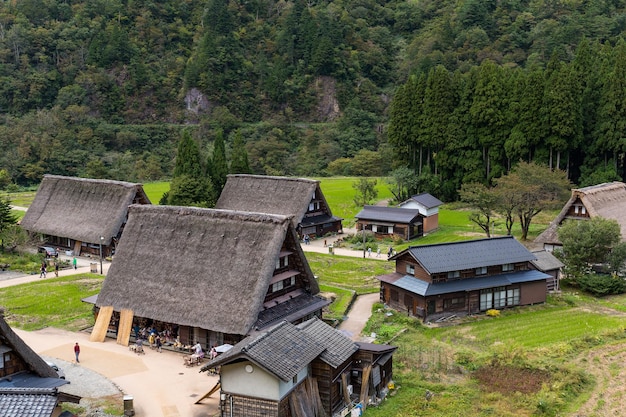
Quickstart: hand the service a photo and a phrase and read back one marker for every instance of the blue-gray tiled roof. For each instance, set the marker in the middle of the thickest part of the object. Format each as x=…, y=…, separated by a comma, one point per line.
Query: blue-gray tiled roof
x=427, y=200
x=283, y=350
x=457, y=256
x=423, y=288
x=338, y=347
x=388, y=214
x=25, y=402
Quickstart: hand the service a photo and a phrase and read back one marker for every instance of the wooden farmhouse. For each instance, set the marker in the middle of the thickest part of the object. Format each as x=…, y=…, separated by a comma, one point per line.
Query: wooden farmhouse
x=459, y=278
x=205, y=275
x=405, y=223
x=606, y=200
x=428, y=207
x=298, y=198
x=547, y=263
x=80, y=214
x=307, y=370
x=28, y=385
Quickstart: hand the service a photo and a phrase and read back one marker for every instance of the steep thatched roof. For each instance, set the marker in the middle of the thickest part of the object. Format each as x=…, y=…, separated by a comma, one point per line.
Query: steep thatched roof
x=198, y=267
x=34, y=362
x=81, y=209
x=265, y=194
x=606, y=200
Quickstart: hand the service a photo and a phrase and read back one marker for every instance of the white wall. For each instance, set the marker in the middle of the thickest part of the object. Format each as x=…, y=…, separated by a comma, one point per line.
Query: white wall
x=258, y=383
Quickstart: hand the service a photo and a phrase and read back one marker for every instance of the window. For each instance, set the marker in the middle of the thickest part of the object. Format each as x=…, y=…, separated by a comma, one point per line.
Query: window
x=499, y=297
x=454, y=274
x=583, y=210
x=576, y=208
x=311, y=206
x=289, y=282
x=282, y=262
x=277, y=286
x=453, y=302
x=390, y=230
x=410, y=269
x=507, y=267
x=486, y=299
x=374, y=228
x=512, y=297
x=481, y=271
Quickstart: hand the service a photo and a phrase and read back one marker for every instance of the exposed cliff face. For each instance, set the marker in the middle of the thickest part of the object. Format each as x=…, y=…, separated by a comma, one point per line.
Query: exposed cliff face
x=327, y=104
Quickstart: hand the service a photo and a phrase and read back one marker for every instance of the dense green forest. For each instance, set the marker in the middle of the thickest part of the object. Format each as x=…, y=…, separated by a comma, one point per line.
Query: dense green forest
x=455, y=91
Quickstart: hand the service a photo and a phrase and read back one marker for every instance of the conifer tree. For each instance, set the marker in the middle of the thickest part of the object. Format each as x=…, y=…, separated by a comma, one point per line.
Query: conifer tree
x=188, y=157
x=219, y=166
x=239, y=157
x=6, y=219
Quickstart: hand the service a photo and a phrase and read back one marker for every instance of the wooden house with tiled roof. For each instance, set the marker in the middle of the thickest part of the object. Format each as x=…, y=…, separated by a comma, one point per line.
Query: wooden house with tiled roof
x=81, y=214
x=606, y=200
x=28, y=385
x=405, y=223
x=308, y=370
x=460, y=278
x=300, y=199
x=213, y=275
x=428, y=206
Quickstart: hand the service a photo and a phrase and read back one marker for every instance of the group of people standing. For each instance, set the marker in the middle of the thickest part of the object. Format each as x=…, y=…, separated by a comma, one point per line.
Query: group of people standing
x=43, y=270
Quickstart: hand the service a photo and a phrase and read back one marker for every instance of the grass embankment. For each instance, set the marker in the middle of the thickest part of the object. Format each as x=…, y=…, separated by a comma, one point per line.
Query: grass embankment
x=53, y=302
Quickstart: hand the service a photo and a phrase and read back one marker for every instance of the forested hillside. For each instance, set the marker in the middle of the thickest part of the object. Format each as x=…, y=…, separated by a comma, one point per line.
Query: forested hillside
x=102, y=88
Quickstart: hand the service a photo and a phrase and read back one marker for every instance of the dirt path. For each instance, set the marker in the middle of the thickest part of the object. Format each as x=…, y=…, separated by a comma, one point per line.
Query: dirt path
x=606, y=365
x=358, y=316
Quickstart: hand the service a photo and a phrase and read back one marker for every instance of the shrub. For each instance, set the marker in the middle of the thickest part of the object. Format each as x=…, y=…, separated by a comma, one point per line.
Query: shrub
x=493, y=313
x=601, y=284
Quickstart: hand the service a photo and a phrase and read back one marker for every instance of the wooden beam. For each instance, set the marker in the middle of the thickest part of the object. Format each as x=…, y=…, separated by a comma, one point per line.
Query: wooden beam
x=208, y=394
x=124, y=326
x=99, y=331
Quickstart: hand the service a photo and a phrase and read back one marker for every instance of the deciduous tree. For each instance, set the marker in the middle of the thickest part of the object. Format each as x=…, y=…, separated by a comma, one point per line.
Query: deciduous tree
x=537, y=188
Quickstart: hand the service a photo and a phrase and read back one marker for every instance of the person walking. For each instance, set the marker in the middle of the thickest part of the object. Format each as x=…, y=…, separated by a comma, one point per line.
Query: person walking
x=74, y=262
x=369, y=252
x=42, y=270
x=77, y=351
x=56, y=269
x=159, y=343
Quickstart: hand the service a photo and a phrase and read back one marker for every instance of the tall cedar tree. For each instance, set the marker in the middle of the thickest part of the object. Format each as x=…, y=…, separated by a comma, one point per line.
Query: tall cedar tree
x=219, y=165
x=6, y=218
x=188, y=157
x=239, y=156
x=612, y=114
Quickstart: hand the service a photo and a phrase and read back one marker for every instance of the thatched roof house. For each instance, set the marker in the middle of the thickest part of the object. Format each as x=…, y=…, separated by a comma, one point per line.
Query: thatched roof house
x=211, y=272
x=298, y=198
x=606, y=200
x=28, y=386
x=74, y=213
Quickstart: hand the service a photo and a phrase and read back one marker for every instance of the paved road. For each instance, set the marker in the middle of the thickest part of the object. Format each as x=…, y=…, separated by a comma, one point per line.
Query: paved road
x=358, y=316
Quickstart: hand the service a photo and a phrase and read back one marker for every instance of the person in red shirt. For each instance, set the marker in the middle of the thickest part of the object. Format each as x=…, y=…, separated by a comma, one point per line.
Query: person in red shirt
x=77, y=351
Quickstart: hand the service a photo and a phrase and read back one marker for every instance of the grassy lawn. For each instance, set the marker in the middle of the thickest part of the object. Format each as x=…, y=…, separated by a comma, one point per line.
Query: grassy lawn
x=352, y=273
x=51, y=303
x=155, y=190
x=340, y=196
x=342, y=299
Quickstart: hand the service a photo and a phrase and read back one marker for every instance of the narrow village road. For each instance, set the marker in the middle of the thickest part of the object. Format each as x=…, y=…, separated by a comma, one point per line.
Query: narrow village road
x=358, y=316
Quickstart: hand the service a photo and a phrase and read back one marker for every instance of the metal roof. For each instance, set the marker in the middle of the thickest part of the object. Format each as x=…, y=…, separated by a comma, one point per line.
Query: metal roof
x=469, y=254
x=427, y=200
x=388, y=214
x=423, y=288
